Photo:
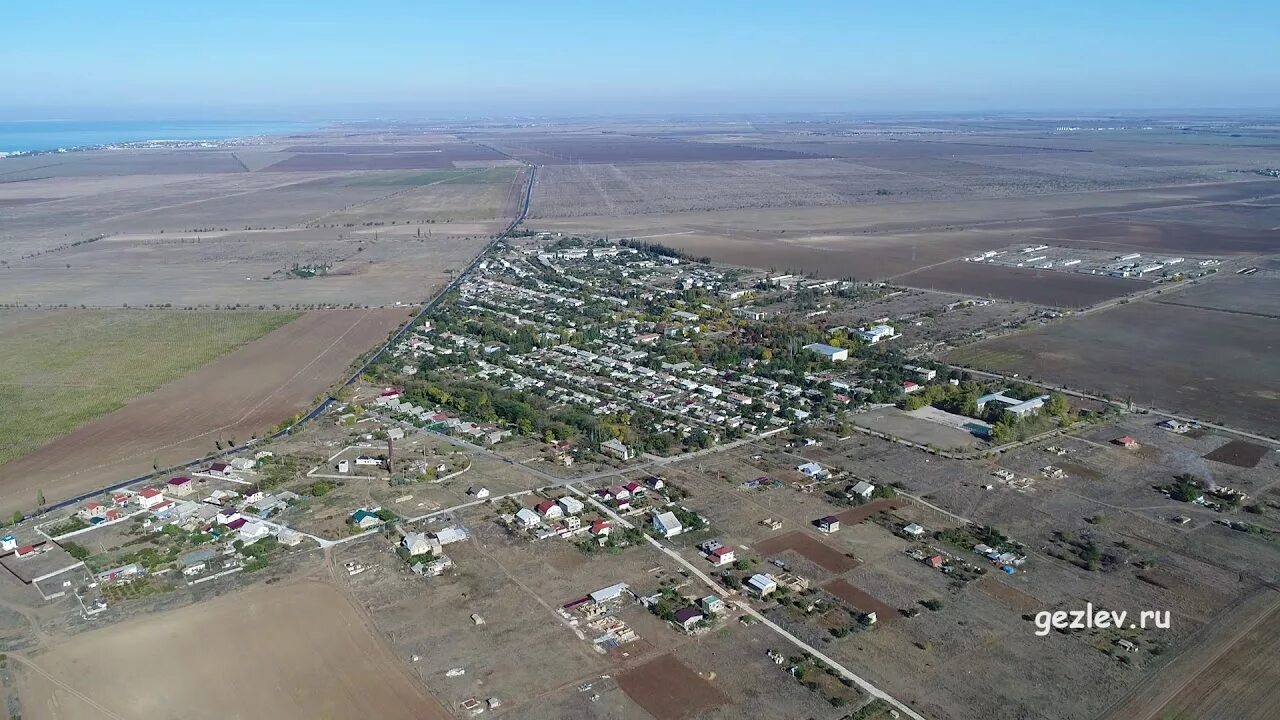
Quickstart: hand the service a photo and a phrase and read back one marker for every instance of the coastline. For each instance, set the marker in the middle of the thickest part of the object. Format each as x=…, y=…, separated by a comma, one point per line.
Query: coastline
x=253, y=132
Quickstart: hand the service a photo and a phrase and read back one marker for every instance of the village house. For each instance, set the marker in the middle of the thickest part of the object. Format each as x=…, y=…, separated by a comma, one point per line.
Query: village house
x=1126, y=442
x=179, y=486
x=862, y=489
x=419, y=544
x=828, y=524
x=667, y=524
x=571, y=505
x=196, y=561
x=528, y=518
x=91, y=510
x=762, y=584
x=365, y=519
x=722, y=555
x=252, y=531
x=616, y=449
x=220, y=469
x=688, y=617
x=548, y=510
x=711, y=604
x=148, y=498
x=811, y=469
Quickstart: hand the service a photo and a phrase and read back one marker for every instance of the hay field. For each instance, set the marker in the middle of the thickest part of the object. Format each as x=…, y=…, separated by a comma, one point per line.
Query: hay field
x=292, y=651
x=59, y=370
x=238, y=395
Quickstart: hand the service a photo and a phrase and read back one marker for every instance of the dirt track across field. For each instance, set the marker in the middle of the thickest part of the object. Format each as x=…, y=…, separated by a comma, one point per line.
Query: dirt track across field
x=288, y=651
x=241, y=394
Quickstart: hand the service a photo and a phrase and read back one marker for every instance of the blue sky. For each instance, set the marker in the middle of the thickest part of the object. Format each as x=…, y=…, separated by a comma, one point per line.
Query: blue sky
x=408, y=58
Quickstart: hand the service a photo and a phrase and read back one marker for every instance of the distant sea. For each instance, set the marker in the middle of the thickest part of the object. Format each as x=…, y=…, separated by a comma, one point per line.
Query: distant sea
x=53, y=135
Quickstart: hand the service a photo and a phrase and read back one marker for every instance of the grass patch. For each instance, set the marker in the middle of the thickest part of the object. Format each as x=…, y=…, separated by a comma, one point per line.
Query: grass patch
x=471, y=176
x=978, y=357
x=61, y=370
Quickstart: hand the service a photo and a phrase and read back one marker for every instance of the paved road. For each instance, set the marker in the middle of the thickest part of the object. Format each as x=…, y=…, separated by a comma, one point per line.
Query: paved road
x=746, y=607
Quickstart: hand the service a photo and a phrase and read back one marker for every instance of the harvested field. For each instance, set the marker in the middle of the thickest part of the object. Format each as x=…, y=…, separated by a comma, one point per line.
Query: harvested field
x=191, y=663
x=1010, y=597
x=326, y=157
x=855, y=515
x=1140, y=233
x=342, y=162
x=668, y=690
x=1041, y=287
x=365, y=266
x=61, y=369
x=1219, y=367
x=809, y=548
x=114, y=163
x=1234, y=672
x=863, y=602
x=1257, y=294
x=547, y=149
x=1238, y=453
x=576, y=190
x=242, y=394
